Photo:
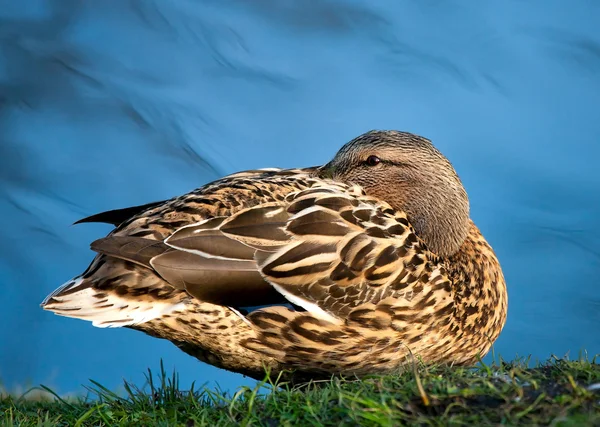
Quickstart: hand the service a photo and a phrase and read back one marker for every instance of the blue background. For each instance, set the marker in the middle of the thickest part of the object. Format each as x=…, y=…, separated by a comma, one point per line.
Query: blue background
x=111, y=104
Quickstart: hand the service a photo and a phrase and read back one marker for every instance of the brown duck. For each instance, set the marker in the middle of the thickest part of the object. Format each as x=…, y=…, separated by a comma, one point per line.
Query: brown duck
x=352, y=268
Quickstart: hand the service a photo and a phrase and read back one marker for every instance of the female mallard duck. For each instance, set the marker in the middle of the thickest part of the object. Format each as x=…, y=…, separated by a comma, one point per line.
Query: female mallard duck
x=375, y=251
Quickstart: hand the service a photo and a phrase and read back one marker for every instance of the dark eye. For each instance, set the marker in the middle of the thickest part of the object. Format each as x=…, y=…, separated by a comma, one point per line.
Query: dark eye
x=372, y=161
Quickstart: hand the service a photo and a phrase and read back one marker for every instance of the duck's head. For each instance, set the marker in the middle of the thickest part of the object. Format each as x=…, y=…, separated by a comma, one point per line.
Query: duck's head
x=410, y=174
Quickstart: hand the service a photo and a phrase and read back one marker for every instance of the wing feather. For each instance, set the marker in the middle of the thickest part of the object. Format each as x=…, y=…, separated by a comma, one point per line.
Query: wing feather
x=118, y=216
x=330, y=249
x=349, y=251
x=129, y=248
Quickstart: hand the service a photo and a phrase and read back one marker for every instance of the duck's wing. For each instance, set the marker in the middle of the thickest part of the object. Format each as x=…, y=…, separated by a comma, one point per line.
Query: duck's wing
x=351, y=257
x=202, y=260
x=325, y=249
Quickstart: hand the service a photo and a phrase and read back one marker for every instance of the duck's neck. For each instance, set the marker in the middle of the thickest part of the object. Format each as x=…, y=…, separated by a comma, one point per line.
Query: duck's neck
x=479, y=291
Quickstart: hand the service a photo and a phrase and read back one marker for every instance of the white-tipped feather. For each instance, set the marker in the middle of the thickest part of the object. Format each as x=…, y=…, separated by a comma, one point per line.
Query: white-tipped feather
x=311, y=307
x=196, y=252
x=203, y=254
x=106, y=310
x=240, y=315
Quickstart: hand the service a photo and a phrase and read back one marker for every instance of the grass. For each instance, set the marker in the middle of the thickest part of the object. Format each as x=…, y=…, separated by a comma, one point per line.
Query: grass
x=558, y=392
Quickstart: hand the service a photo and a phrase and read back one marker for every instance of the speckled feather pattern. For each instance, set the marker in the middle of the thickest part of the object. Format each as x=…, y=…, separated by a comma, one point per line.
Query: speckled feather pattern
x=374, y=294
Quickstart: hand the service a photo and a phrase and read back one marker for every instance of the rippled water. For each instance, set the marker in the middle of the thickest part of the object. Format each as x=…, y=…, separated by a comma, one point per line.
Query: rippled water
x=125, y=103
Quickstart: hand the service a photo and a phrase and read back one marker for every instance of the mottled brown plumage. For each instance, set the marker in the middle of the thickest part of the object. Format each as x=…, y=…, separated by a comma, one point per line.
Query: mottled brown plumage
x=375, y=251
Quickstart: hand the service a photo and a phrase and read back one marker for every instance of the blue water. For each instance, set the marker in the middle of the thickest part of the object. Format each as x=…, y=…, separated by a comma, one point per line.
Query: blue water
x=123, y=103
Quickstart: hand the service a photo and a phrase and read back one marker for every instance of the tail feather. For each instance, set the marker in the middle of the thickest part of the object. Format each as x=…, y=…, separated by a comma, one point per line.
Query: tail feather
x=79, y=299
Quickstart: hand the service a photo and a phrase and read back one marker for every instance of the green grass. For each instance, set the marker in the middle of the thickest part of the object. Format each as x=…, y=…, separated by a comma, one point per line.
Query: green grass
x=558, y=392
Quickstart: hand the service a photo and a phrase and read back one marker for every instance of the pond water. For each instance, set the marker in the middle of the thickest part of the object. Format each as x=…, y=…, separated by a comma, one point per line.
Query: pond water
x=123, y=103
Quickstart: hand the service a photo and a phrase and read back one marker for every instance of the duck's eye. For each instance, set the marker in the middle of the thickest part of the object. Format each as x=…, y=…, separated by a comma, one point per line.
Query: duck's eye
x=372, y=161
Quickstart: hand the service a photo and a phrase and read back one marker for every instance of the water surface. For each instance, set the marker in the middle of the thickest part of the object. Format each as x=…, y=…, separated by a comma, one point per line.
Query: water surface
x=123, y=103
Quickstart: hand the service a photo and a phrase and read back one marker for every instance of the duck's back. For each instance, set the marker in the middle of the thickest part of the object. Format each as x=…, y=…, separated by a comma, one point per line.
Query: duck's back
x=220, y=198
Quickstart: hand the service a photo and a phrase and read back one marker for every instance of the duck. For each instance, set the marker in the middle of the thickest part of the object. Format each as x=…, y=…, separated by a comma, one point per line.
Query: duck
x=357, y=267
